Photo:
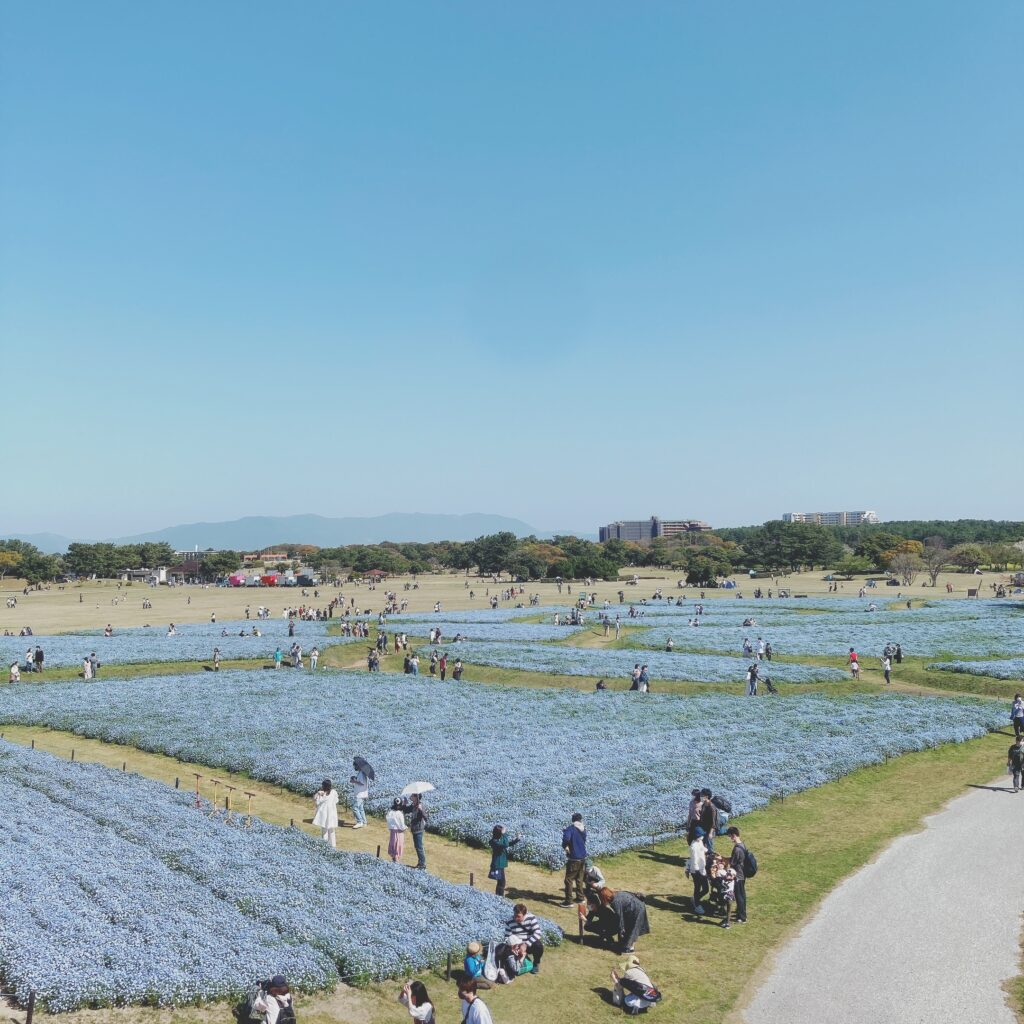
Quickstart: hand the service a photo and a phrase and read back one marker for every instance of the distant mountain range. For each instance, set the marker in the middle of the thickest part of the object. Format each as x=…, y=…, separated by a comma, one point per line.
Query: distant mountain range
x=252, y=532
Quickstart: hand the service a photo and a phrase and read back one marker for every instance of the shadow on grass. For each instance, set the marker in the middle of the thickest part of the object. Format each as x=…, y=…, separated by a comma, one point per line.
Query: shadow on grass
x=604, y=993
x=674, y=860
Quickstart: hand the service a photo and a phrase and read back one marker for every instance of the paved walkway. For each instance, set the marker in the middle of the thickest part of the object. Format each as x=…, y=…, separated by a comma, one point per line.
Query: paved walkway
x=928, y=932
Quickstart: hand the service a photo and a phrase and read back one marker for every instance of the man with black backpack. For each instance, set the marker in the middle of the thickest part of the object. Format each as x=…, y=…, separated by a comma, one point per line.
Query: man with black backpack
x=744, y=864
x=272, y=1000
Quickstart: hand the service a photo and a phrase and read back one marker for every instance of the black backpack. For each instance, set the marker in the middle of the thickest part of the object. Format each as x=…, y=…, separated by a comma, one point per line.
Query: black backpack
x=749, y=864
x=722, y=804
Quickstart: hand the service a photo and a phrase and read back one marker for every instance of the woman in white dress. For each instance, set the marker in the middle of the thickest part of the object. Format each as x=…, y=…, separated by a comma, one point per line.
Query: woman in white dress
x=326, y=817
x=86, y=668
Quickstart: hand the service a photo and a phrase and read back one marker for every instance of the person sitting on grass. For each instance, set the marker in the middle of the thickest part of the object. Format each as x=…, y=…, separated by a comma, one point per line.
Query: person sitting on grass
x=632, y=989
x=473, y=965
x=524, y=927
x=514, y=958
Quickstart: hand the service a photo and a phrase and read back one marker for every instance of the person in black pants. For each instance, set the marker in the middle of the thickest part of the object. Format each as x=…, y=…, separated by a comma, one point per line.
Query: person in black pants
x=739, y=853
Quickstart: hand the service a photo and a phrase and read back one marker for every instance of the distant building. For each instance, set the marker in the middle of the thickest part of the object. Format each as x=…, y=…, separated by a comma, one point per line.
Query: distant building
x=644, y=530
x=266, y=557
x=831, y=518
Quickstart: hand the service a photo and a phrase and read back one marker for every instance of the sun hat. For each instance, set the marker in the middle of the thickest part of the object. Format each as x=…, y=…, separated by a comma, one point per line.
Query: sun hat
x=474, y=949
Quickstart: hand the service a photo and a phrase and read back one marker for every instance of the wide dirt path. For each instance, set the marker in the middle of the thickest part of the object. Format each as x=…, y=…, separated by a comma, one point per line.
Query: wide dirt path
x=929, y=931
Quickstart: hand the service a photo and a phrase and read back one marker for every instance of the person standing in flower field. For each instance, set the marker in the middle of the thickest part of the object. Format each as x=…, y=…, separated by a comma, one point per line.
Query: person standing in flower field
x=418, y=818
x=216, y=659
x=314, y=657
x=360, y=794
x=396, y=831
x=574, y=844
x=278, y=657
x=326, y=817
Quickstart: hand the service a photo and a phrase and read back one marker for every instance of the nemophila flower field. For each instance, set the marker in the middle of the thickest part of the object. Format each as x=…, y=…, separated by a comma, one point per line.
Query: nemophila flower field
x=192, y=642
x=626, y=761
x=613, y=663
x=949, y=627
x=508, y=631
x=484, y=614
x=117, y=891
x=1006, y=668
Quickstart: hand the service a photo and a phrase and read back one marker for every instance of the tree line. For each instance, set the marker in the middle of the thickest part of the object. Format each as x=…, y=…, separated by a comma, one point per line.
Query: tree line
x=904, y=548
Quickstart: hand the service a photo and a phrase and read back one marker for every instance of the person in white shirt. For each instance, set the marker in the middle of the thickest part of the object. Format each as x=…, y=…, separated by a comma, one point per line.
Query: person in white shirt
x=415, y=999
x=697, y=869
x=395, y=819
x=360, y=793
x=326, y=817
x=276, y=1003
x=314, y=657
x=474, y=1009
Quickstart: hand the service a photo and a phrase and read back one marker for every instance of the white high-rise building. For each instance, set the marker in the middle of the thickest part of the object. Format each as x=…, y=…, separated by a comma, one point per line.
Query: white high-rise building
x=831, y=518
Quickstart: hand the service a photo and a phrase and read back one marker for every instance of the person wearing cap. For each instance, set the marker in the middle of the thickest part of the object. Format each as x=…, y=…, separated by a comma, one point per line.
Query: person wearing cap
x=474, y=1009
x=628, y=985
x=574, y=843
x=697, y=869
x=275, y=1002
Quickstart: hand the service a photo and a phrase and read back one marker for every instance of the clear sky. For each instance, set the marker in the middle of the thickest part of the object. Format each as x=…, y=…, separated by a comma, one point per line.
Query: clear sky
x=568, y=262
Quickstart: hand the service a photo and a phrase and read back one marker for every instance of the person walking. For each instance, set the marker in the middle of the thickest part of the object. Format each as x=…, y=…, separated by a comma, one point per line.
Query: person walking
x=1017, y=715
x=326, y=817
x=752, y=679
x=887, y=670
x=396, y=831
x=854, y=662
x=500, y=845
x=474, y=1009
x=737, y=862
x=574, y=844
x=1015, y=763
x=418, y=818
x=360, y=794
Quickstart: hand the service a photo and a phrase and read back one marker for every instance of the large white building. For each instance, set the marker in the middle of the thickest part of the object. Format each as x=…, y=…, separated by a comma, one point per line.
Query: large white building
x=831, y=518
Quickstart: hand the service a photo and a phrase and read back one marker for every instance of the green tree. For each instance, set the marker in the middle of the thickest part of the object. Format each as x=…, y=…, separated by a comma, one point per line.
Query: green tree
x=968, y=556
x=220, y=563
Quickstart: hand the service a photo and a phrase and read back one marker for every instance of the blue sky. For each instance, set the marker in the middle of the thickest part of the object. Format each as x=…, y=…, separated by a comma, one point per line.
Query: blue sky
x=570, y=262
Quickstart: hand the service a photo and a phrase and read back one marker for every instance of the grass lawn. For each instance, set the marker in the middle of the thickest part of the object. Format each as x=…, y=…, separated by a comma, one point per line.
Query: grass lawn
x=805, y=845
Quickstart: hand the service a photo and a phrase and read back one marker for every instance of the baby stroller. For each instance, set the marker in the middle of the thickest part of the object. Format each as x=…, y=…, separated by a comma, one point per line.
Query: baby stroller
x=769, y=686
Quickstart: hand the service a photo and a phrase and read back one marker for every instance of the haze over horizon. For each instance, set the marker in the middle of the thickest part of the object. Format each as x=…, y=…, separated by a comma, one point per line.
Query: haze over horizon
x=567, y=265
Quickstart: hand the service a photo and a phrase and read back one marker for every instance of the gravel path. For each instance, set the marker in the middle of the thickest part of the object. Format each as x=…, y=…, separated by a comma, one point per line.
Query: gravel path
x=928, y=932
